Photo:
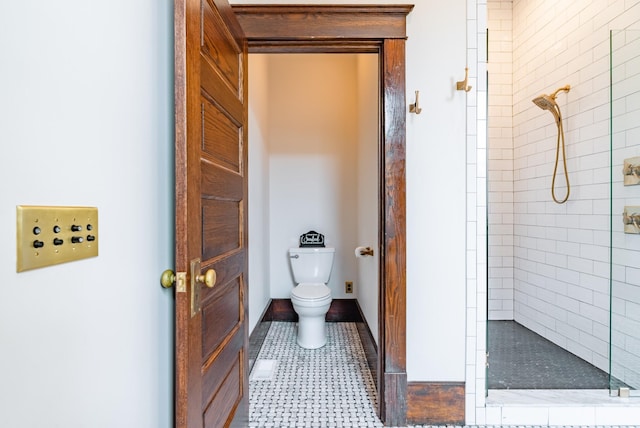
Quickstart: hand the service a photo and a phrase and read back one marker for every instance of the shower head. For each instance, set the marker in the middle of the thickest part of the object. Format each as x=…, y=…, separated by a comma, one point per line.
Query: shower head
x=545, y=102
x=548, y=102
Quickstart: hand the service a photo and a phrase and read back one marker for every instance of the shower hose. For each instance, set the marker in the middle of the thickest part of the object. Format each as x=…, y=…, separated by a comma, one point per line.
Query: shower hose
x=564, y=163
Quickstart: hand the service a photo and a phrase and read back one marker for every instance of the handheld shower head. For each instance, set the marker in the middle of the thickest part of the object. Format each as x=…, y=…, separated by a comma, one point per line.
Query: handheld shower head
x=545, y=102
x=548, y=102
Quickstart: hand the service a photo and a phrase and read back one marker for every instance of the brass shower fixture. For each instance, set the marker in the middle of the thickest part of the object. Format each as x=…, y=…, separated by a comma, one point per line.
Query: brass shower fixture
x=548, y=102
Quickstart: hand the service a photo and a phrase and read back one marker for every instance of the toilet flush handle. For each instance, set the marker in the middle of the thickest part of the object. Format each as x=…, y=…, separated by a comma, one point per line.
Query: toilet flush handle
x=295, y=256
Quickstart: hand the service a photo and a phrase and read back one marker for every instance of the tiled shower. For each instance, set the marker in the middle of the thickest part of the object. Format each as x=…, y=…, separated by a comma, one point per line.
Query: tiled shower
x=549, y=264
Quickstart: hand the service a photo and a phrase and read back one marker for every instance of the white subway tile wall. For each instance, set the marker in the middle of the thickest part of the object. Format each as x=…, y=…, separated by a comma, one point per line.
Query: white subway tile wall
x=477, y=172
x=500, y=164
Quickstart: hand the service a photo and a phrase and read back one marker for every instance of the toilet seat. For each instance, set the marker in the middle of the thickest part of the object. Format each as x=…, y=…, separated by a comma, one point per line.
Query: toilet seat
x=311, y=292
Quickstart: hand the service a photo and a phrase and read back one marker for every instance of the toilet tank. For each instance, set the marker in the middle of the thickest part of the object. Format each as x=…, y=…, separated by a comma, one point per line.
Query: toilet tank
x=311, y=265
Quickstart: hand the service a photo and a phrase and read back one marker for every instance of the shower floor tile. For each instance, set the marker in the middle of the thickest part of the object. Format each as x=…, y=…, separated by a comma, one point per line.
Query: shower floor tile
x=522, y=359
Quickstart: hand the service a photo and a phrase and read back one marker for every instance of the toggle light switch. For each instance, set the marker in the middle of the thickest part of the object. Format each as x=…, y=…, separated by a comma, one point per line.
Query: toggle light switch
x=52, y=235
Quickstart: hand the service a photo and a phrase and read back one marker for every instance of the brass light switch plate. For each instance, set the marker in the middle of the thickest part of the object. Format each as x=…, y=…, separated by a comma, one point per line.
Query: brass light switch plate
x=51, y=235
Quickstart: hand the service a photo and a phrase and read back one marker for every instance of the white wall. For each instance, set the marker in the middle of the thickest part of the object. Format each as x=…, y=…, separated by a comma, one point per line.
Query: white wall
x=367, y=190
x=259, y=270
x=436, y=191
x=87, y=119
x=312, y=162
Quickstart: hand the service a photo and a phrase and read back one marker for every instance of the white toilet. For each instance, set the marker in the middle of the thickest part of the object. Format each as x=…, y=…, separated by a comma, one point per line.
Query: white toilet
x=311, y=297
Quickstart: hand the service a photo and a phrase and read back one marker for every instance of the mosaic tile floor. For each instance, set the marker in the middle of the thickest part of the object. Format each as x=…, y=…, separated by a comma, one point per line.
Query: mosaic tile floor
x=326, y=387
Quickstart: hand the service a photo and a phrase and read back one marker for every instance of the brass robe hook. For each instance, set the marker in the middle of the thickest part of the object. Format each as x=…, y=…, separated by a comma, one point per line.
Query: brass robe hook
x=464, y=84
x=414, y=108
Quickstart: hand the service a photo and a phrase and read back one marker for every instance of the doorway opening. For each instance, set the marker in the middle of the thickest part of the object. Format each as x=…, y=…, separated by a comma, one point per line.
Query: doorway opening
x=377, y=29
x=314, y=148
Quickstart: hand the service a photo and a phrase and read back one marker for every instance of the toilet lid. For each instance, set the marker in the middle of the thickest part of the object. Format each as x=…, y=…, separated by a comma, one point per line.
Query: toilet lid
x=311, y=291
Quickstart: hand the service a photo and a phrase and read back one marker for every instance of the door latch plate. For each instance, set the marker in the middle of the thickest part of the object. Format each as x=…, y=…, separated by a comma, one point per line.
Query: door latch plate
x=181, y=282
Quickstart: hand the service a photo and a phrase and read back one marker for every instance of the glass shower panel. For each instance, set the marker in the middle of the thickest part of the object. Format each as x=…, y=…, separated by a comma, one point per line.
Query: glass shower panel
x=624, y=350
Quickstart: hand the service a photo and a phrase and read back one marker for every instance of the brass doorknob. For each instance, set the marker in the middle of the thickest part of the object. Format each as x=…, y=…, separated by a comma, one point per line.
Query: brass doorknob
x=168, y=278
x=209, y=278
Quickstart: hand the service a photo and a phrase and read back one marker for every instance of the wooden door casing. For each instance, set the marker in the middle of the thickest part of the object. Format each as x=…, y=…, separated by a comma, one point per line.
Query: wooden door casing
x=211, y=215
x=377, y=29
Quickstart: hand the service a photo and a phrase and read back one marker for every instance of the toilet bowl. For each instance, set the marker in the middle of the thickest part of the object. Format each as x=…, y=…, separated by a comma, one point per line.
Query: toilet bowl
x=311, y=298
x=311, y=302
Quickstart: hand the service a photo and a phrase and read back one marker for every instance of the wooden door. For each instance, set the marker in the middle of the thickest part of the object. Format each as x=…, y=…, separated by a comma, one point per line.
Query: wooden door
x=212, y=388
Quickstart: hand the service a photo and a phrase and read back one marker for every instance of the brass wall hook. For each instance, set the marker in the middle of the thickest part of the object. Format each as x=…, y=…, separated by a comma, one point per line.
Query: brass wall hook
x=414, y=108
x=464, y=84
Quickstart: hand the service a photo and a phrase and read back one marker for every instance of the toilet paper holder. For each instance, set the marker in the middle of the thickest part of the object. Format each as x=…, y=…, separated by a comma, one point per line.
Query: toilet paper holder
x=368, y=251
